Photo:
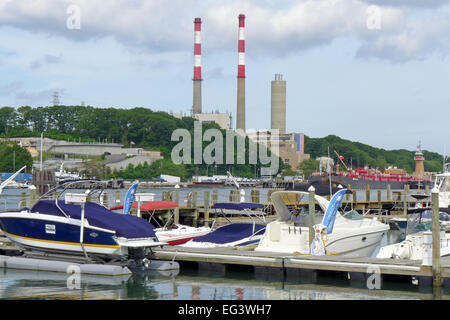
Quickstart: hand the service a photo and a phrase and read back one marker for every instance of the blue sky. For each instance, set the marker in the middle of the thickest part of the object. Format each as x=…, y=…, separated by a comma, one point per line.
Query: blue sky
x=387, y=86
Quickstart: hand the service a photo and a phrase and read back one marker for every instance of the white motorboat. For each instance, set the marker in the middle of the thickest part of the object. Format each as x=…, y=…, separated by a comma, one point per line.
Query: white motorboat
x=442, y=183
x=338, y=234
x=413, y=246
x=170, y=232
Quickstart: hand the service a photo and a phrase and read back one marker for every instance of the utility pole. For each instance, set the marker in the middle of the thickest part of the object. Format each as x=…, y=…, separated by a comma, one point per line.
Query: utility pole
x=55, y=99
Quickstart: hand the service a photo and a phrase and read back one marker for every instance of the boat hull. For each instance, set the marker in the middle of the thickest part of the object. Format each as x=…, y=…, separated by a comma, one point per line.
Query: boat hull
x=49, y=233
x=181, y=234
x=360, y=183
x=349, y=242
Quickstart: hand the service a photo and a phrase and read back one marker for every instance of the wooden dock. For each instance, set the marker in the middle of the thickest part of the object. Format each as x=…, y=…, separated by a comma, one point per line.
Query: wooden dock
x=219, y=259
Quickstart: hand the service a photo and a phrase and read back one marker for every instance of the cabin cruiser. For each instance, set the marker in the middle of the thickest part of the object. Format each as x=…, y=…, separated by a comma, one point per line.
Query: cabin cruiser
x=76, y=226
x=348, y=234
x=234, y=233
x=413, y=247
x=442, y=183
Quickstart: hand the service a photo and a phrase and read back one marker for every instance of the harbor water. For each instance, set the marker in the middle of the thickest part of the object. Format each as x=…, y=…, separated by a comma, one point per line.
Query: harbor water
x=193, y=284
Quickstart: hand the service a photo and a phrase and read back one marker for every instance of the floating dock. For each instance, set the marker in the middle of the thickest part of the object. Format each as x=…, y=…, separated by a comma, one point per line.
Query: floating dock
x=218, y=259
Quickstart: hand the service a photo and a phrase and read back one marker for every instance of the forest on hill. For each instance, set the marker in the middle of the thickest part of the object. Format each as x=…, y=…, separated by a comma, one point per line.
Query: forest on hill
x=135, y=127
x=357, y=154
x=144, y=128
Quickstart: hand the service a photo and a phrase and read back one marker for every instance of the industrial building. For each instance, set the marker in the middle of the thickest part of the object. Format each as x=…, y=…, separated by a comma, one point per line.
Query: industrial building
x=288, y=146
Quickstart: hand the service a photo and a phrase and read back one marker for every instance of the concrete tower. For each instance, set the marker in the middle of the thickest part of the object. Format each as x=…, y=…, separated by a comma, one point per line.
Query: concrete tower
x=278, y=104
x=197, y=80
x=240, y=106
x=419, y=158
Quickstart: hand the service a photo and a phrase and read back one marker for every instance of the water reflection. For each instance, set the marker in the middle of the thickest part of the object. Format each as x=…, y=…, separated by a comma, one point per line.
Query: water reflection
x=191, y=284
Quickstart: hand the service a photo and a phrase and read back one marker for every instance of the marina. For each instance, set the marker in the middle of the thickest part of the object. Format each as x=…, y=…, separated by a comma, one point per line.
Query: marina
x=244, y=259
x=148, y=179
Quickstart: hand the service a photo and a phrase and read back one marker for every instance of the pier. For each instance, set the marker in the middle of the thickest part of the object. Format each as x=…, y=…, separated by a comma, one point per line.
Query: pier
x=287, y=265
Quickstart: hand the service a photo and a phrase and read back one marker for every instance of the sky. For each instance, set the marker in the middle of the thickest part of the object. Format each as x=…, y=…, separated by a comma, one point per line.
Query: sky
x=373, y=71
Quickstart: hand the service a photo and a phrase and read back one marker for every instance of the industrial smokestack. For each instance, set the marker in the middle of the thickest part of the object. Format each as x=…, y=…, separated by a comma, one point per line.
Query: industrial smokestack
x=278, y=104
x=197, y=80
x=240, y=112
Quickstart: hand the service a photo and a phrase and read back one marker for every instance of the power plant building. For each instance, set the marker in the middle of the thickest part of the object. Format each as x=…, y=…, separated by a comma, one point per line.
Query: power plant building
x=288, y=146
x=278, y=104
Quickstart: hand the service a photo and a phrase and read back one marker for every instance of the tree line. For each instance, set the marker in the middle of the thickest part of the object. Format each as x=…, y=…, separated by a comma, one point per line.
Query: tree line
x=135, y=127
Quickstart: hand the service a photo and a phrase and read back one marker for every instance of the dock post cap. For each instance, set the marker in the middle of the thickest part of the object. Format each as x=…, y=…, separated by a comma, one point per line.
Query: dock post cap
x=435, y=190
x=340, y=186
x=311, y=188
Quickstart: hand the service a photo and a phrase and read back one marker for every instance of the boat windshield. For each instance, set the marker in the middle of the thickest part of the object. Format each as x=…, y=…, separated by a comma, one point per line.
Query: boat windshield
x=422, y=221
x=443, y=183
x=352, y=215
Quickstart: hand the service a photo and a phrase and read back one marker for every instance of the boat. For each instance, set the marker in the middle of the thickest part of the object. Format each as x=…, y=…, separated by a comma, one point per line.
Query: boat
x=359, y=178
x=169, y=232
x=9, y=182
x=233, y=234
x=442, y=183
x=77, y=227
x=413, y=247
x=348, y=234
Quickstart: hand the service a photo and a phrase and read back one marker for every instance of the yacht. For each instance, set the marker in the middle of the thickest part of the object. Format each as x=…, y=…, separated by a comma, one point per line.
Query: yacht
x=344, y=234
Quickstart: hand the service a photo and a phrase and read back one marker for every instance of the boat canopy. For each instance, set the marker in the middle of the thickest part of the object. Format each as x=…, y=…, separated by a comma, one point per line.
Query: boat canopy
x=127, y=226
x=151, y=205
x=231, y=233
x=237, y=206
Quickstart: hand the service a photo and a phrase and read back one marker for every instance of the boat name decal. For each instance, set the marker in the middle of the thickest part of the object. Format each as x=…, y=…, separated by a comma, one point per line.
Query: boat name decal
x=50, y=228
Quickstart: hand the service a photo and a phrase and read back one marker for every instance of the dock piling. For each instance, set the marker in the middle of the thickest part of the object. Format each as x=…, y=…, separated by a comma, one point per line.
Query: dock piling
x=436, y=238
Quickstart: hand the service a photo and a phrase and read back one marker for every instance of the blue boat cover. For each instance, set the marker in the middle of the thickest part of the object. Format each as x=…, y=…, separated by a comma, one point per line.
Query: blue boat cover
x=126, y=226
x=237, y=206
x=231, y=233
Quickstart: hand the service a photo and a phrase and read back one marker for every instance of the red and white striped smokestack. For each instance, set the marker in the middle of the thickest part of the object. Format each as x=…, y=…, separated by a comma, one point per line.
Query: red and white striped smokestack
x=197, y=103
x=197, y=49
x=241, y=47
x=240, y=107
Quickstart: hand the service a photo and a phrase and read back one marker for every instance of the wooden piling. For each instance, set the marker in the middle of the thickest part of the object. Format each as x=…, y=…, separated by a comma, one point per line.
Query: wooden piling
x=176, y=213
x=436, y=238
x=214, y=196
x=367, y=192
x=206, y=206
x=388, y=192
x=254, y=195
x=405, y=199
x=379, y=198
x=43, y=180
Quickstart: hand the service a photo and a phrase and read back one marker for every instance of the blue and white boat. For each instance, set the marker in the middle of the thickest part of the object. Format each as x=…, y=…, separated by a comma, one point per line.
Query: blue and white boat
x=233, y=233
x=74, y=227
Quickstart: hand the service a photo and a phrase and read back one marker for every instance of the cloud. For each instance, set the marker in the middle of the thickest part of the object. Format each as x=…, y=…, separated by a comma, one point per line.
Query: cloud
x=46, y=59
x=410, y=3
x=272, y=29
x=416, y=41
x=10, y=88
x=43, y=96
